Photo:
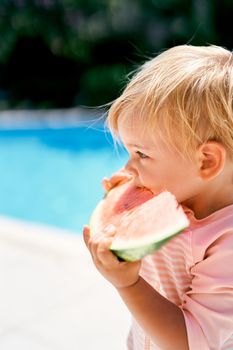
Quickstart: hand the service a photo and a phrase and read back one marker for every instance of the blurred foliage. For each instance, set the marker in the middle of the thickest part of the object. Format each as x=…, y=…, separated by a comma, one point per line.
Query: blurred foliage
x=84, y=49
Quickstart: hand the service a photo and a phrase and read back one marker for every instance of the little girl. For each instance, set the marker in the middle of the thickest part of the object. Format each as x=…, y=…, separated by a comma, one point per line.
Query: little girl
x=175, y=118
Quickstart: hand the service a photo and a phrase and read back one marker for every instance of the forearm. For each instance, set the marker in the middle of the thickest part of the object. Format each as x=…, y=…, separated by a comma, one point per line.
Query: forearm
x=162, y=320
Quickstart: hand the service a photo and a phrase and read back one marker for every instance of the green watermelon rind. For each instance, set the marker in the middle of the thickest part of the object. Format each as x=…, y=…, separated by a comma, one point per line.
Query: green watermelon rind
x=140, y=249
x=134, y=254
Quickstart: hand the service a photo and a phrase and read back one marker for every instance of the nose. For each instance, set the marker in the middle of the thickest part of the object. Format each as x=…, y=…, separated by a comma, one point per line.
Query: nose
x=130, y=168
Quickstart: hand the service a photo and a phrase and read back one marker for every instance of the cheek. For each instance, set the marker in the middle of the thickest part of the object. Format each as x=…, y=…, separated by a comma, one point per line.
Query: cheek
x=181, y=182
x=169, y=177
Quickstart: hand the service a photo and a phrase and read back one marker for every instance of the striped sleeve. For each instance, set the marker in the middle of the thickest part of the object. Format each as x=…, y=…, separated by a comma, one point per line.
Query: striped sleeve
x=208, y=305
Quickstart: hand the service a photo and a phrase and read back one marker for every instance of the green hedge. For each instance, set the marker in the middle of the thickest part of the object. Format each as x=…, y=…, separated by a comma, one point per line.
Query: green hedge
x=106, y=39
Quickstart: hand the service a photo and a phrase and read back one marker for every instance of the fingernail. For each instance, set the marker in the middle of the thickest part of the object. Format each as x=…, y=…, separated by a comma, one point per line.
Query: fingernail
x=108, y=184
x=110, y=228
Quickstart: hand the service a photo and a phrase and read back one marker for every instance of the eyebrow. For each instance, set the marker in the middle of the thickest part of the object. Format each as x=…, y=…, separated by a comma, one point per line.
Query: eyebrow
x=138, y=146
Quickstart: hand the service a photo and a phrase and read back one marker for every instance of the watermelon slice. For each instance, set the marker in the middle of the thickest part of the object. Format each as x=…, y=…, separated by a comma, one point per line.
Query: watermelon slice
x=143, y=221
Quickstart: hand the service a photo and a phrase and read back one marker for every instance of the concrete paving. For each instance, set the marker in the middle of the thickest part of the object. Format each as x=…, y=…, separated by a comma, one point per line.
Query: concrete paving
x=51, y=296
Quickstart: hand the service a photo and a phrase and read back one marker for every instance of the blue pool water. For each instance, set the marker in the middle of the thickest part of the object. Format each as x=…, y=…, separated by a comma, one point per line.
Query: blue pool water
x=53, y=176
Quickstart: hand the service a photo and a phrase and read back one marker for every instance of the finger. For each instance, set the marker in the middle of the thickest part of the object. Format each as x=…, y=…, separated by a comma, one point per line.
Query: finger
x=115, y=179
x=119, y=178
x=93, y=243
x=105, y=256
x=86, y=235
x=98, y=238
x=110, y=230
x=106, y=184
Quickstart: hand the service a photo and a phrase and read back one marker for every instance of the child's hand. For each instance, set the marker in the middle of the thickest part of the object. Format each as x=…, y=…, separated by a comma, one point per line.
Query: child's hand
x=120, y=273
x=121, y=176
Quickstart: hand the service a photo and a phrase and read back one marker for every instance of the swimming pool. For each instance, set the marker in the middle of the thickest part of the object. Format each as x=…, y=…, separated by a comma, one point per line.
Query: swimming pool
x=53, y=175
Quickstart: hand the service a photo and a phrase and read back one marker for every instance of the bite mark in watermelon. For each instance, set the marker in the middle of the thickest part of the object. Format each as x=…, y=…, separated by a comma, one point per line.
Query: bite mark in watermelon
x=143, y=221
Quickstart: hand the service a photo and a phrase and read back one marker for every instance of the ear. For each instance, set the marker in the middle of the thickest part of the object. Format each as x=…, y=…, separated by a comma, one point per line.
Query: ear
x=212, y=156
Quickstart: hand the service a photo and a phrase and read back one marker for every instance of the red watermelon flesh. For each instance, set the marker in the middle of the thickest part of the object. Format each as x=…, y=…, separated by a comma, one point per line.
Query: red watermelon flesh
x=143, y=221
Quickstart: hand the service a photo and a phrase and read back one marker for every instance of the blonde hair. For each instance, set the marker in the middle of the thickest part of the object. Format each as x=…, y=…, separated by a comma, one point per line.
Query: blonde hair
x=186, y=92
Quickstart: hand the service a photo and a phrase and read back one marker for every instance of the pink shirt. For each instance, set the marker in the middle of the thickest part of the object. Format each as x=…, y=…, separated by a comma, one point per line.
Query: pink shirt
x=194, y=270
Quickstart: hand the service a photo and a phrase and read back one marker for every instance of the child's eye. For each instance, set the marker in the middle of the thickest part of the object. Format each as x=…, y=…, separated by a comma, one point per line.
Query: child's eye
x=141, y=155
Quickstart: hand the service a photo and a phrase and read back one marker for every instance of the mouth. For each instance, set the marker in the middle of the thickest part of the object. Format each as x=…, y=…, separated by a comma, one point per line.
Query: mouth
x=138, y=184
x=141, y=186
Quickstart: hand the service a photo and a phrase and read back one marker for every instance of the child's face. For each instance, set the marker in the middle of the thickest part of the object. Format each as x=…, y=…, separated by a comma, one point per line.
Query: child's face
x=157, y=166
